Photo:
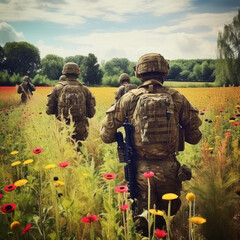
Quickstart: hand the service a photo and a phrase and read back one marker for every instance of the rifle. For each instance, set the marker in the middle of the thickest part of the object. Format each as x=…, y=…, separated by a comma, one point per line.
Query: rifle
x=128, y=154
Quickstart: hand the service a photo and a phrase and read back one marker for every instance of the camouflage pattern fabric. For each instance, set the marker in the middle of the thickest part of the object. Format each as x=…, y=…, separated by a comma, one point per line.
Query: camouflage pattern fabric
x=26, y=88
x=165, y=167
x=81, y=125
x=124, y=89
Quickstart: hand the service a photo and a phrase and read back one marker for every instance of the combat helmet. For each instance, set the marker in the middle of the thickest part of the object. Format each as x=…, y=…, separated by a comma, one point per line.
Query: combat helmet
x=62, y=78
x=71, y=68
x=25, y=78
x=124, y=77
x=151, y=62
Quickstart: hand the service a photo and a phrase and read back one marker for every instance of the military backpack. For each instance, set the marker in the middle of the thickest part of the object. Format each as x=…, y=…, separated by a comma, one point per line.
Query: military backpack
x=72, y=102
x=156, y=129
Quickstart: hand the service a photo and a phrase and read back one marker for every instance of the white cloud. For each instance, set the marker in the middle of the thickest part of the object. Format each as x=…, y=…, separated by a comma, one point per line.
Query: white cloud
x=74, y=12
x=181, y=40
x=8, y=34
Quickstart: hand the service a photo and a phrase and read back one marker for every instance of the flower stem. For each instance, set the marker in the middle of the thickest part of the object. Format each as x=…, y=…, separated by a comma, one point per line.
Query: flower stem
x=149, y=200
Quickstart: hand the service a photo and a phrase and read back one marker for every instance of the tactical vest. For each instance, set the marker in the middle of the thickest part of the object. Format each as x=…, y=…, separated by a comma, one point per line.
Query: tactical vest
x=71, y=101
x=155, y=123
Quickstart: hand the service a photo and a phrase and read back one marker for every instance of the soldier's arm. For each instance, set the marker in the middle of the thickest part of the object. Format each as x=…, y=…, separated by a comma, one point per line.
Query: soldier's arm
x=91, y=103
x=115, y=116
x=190, y=121
x=19, y=90
x=33, y=88
x=52, y=103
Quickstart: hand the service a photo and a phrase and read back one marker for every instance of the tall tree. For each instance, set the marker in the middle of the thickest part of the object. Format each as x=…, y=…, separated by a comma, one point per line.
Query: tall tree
x=228, y=46
x=22, y=58
x=91, y=74
x=52, y=66
x=1, y=58
x=78, y=59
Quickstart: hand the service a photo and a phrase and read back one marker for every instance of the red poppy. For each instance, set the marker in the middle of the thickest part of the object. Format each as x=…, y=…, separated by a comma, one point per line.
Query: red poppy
x=89, y=219
x=63, y=164
x=160, y=233
x=109, y=176
x=204, y=109
x=228, y=133
x=220, y=110
x=26, y=229
x=148, y=174
x=235, y=123
x=8, y=207
x=121, y=189
x=124, y=207
x=10, y=187
x=3, y=128
x=0, y=195
x=37, y=150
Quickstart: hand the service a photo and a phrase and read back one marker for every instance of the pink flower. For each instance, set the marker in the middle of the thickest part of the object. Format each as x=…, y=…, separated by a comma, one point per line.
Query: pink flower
x=37, y=150
x=26, y=229
x=235, y=123
x=89, y=219
x=63, y=164
x=121, y=189
x=160, y=233
x=148, y=174
x=204, y=109
x=109, y=176
x=0, y=195
x=124, y=207
x=228, y=133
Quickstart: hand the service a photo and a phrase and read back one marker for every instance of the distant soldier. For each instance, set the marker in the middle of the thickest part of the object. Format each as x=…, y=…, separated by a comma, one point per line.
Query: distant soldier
x=71, y=100
x=162, y=119
x=62, y=78
x=126, y=86
x=26, y=88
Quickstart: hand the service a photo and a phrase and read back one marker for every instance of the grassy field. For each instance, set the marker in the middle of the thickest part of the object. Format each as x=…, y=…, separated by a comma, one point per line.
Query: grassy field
x=82, y=204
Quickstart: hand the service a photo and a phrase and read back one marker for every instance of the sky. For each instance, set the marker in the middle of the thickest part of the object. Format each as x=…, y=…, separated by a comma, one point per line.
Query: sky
x=177, y=29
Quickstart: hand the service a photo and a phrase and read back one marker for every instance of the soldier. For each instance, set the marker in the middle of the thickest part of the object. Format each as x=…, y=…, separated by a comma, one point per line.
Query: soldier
x=163, y=119
x=72, y=101
x=62, y=78
x=126, y=86
x=26, y=88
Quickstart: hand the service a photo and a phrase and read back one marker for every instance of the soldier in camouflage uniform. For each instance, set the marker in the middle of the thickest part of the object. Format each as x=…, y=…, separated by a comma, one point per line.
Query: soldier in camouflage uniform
x=72, y=101
x=26, y=88
x=126, y=86
x=157, y=142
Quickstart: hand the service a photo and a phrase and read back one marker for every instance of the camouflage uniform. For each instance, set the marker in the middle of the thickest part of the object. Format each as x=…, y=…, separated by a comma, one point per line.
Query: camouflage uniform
x=82, y=125
x=26, y=88
x=166, y=168
x=126, y=86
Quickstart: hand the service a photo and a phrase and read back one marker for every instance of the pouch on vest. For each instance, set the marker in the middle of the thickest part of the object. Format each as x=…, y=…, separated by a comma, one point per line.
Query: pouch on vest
x=156, y=129
x=72, y=102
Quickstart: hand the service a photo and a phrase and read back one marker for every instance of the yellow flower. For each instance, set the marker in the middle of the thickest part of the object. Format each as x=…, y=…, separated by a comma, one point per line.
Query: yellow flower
x=15, y=225
x=28, y=161
x=217, y=137
x=50, y=166
x=58, y=183
x=15, y=163
x=169, y=196
x=231, y=121
x=21, y=182
x=190, y=197
x=156, y=212
x=217, y=116
x=96, y=139
x=209, y=149
x=197, y=220
x=85, y=175
x=14, y=152
x=41, y=134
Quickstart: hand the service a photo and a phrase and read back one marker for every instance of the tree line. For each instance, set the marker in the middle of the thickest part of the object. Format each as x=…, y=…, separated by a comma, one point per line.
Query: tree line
x=22, y=58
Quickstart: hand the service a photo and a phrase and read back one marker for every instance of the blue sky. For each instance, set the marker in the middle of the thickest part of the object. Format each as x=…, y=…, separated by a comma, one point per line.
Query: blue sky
x=178, y=29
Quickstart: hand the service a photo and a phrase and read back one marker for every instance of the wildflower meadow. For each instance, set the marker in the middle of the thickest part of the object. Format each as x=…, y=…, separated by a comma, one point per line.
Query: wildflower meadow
x=48, y=190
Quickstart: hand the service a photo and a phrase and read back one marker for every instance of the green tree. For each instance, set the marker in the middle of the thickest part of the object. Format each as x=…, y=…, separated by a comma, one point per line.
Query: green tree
x=197, y=70
x=22, y=58
x=174, y=71
x=52, y=66
x=1, y=58
x=91, y=74
x=78, y=59
x=228, y=46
